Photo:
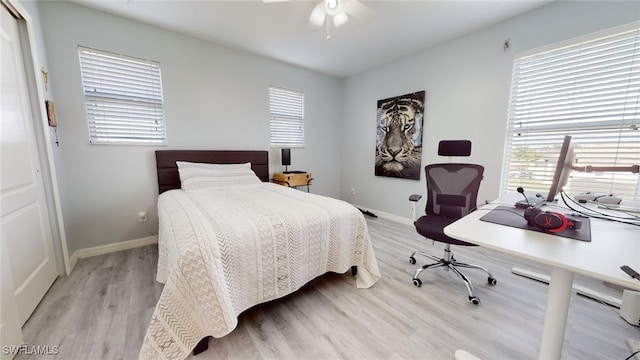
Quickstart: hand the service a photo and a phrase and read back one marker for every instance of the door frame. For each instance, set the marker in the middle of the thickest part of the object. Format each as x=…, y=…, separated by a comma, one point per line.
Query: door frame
x=36, y=93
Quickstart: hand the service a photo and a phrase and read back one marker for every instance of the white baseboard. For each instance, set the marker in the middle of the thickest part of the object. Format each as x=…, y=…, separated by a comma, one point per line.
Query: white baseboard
x=109, y=248
x=387, y=216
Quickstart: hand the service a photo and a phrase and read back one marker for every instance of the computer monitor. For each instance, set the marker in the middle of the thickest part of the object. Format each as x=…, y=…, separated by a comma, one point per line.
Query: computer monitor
x=563, y=169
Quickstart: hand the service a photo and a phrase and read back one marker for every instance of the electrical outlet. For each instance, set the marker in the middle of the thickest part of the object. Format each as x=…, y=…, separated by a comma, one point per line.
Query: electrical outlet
x=353, y=191
x=142, y=216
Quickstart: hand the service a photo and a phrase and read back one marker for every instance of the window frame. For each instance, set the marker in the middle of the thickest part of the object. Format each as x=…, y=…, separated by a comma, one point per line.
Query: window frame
x=286, y=118
x=535, y=130
x=123, y=98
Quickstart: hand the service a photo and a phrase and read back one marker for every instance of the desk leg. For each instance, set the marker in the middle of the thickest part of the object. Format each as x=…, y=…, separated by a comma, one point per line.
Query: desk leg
x=555, y=320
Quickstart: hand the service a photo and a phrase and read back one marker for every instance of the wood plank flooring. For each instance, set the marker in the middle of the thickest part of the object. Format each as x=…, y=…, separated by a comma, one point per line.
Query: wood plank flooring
x=102, y=309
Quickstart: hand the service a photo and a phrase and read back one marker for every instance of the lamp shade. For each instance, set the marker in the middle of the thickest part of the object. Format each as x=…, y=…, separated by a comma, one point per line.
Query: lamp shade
x=286, y=157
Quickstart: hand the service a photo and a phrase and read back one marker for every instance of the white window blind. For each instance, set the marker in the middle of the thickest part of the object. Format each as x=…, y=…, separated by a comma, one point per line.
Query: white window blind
x=286, y=109
x=588, y=88
x=123, y=98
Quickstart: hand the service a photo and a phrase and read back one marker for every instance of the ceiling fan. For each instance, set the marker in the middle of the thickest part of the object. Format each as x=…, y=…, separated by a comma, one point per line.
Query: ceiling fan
x=337, y=11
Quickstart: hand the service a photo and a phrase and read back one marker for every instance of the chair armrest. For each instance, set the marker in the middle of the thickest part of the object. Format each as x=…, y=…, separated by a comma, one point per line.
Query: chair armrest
x=414, y=198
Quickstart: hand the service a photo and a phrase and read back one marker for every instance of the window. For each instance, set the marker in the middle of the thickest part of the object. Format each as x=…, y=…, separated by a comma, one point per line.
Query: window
x=286, y=110
x=123, y=98
x=589, y=89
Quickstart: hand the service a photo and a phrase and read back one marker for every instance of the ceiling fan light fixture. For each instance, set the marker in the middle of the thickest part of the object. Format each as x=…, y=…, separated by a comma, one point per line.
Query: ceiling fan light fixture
x=332, y=7
x=317, y=15
x=340, y=18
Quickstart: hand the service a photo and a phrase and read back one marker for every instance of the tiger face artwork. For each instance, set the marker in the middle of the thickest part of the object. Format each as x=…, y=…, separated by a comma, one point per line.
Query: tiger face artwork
x=399, y=136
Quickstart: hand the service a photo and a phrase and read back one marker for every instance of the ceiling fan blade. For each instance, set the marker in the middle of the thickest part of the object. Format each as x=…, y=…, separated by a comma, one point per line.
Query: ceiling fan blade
x=318, y=14
x=357, y=10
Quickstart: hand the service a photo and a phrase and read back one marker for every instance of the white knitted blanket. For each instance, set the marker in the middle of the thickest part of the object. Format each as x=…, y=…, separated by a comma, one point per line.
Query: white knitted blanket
x=224, y=251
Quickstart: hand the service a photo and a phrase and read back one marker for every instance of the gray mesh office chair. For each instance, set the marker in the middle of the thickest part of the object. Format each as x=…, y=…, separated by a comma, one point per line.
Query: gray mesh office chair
x=452, y=192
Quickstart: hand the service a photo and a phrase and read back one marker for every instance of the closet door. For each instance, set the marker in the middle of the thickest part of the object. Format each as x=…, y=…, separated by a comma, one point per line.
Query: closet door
x=27, y=246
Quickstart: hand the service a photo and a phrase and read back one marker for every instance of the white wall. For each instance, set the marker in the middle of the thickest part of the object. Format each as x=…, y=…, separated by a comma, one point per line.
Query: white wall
x=467, y=83
x=215, y=98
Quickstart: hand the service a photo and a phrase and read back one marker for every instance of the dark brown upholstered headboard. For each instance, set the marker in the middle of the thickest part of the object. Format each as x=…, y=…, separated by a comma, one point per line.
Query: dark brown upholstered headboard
x=169, y=179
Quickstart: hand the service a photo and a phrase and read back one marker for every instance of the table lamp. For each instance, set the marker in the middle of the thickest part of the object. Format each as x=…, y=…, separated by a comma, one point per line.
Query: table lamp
x=286, y=159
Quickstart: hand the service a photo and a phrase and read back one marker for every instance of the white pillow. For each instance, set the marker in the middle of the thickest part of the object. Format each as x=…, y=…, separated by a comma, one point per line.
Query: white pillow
x=194, y=176
x=185, y=165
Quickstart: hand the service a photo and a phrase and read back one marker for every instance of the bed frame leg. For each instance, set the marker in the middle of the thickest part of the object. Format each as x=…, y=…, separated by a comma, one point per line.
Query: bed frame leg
x=354, y=270
x=202, y=346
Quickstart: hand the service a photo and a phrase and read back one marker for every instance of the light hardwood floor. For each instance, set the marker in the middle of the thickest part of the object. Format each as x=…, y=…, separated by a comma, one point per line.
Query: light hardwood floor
x=102, y=309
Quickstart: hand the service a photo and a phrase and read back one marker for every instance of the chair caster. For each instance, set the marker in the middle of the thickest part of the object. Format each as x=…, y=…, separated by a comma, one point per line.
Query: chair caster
x=474, y=300
x=492, y=281
x=417, y=282
x=412, y=260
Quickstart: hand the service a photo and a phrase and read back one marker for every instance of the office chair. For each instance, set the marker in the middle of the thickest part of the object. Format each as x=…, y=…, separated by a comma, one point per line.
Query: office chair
x=452, y=191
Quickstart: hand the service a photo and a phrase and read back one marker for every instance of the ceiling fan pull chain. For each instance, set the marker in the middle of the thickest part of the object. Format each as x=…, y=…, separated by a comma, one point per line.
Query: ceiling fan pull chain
x=328, y=34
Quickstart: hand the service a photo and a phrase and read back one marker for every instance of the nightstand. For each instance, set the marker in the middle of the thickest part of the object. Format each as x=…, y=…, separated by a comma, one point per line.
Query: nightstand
x=293, y=179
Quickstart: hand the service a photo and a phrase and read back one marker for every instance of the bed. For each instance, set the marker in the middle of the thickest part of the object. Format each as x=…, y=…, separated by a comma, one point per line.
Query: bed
x=229, y=242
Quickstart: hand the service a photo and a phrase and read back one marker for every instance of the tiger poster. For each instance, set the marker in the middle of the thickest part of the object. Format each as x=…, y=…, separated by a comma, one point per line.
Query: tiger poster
x=399, y=136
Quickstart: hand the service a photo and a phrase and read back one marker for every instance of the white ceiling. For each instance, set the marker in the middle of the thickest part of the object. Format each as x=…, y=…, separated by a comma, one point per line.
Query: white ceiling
x=281, y=30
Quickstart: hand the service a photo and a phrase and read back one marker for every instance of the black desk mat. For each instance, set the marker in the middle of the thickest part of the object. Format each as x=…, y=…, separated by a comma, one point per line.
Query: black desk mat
x=514, y=217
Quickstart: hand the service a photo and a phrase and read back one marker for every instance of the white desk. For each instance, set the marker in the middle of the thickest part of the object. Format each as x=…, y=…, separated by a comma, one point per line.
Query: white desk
x=612, y=245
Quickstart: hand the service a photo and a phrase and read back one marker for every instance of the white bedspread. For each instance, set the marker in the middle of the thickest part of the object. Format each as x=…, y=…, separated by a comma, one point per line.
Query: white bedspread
x=224, y=251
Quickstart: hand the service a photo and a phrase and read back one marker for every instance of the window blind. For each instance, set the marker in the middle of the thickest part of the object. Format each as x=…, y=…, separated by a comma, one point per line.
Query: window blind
x=588, y=88
x=123, y=98
x=286, y=109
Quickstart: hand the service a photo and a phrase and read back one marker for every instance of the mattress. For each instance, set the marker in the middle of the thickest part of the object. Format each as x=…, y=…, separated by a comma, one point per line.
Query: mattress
x=222, y=251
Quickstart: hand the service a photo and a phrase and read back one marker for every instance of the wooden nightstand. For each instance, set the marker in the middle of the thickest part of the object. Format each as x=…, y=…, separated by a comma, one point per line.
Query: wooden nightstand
x=293, y=179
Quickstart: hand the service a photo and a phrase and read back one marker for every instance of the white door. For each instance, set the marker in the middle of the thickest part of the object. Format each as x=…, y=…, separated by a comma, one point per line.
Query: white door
x=10, y=327
x=24, y=219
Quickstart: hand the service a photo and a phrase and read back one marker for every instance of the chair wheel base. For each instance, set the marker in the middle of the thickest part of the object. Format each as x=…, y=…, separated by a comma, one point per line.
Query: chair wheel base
x=474, y=300
x=417, y=282
x=492, y=281
x=412, y=260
